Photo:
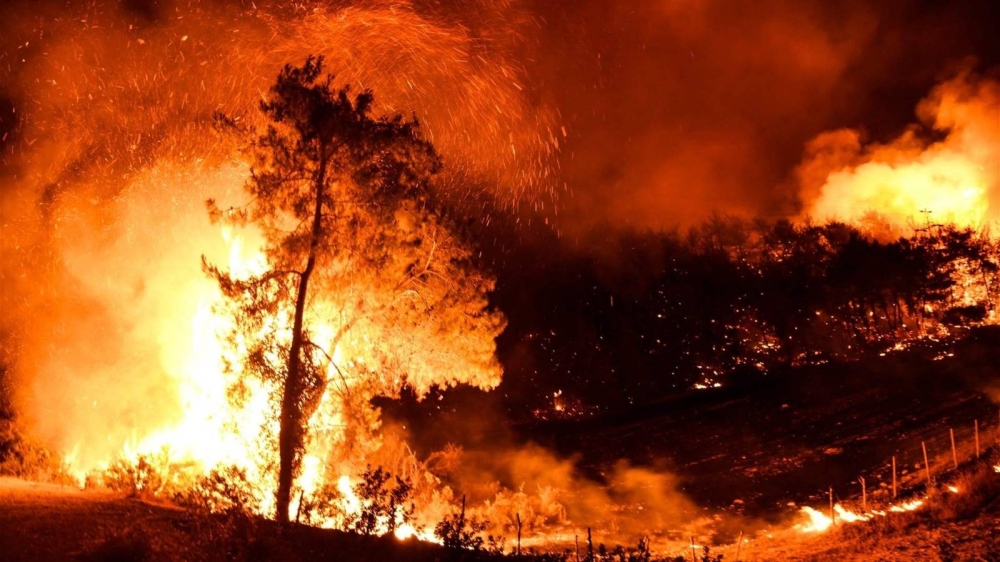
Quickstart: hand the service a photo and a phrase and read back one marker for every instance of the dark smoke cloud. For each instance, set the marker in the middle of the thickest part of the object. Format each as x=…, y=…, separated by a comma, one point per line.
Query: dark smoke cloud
x=677, y=108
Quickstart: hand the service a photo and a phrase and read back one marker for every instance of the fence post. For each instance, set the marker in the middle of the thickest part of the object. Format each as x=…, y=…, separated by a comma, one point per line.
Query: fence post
x=519, y=534
x=954, y=452
x=864, y=496
x=894, y=477
x=927, y=465
x=977, y=439
x=833, y=514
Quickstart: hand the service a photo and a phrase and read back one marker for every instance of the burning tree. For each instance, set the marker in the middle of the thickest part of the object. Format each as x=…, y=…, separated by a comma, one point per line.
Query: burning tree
x=368, y=286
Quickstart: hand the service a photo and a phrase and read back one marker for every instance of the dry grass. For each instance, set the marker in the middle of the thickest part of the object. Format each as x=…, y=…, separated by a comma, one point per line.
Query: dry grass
x=949, y=527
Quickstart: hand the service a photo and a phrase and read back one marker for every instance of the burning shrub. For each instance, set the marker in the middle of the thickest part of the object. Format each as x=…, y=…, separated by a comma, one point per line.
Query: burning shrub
x=455, y=531
x=223, y=521
x=382, y=508
x=371, y=507
x=20, y=454
x=225, y=490
x=143, y=475
x=22, y=457
x=977, y=487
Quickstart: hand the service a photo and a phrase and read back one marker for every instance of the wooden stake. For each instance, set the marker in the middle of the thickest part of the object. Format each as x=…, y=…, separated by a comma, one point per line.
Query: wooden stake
x=577, y=539
x=927, y=466
x=738, y=546
x=954, y=452
x=893, y=477
x=977, y=439
x=590, y=546
x=864, y=496
x=833, y=514
x=694, y=555
x=298, y=512
x=518, y=534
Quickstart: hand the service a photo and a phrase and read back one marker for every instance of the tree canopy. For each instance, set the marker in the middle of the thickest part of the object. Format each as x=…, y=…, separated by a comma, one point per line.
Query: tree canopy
x=369, y=287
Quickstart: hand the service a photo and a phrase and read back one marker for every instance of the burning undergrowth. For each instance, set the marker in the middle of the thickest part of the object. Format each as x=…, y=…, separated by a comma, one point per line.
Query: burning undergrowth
x=904, y=526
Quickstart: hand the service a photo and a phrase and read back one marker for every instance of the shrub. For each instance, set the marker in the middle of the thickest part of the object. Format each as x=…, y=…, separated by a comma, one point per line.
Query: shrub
x=144, y=475
x=455, y=531
x=383, y=507
x=23, y=457
x=224, y=490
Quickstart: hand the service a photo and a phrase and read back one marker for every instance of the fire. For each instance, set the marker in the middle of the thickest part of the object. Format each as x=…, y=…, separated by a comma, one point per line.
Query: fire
x=206, y=430
x=910, y=181
x=189, y=417
x=819, y=521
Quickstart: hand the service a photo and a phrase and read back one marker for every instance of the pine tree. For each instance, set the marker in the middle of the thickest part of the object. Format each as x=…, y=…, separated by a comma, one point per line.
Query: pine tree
x=369, y=287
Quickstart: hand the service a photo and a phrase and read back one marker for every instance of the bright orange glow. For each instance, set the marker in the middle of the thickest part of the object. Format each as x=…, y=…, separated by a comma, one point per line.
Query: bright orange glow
x=910, y=181
x=819, y=521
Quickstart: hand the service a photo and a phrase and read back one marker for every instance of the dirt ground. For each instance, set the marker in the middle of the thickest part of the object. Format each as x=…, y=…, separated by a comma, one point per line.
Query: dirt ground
x=47, y=522
x=976, y=540
x=53, y=522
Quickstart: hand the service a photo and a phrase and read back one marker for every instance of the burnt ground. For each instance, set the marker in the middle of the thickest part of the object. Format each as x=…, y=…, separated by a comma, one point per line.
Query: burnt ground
x=756, y=449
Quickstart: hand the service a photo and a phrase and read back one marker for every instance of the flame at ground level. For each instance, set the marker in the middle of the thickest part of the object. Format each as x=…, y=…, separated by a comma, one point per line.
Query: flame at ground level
x=144, y=374
x=819, y=522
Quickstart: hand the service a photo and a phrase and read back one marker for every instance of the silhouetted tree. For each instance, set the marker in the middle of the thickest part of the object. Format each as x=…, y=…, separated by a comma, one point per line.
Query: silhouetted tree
x=368, y=287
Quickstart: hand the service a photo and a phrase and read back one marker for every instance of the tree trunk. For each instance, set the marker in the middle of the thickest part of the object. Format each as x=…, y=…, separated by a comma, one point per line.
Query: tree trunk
x=290, y=431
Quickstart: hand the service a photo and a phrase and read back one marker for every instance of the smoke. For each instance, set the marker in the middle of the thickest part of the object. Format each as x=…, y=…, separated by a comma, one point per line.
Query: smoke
x=627, y=503
x=677, y=109
x=945, y=169
x=476, y=453
x=554, y=500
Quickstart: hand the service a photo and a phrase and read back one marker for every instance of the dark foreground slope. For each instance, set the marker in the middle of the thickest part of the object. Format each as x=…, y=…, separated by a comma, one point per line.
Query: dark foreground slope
x=788, y=438
x=42, y=522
